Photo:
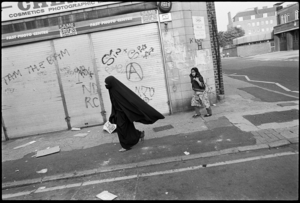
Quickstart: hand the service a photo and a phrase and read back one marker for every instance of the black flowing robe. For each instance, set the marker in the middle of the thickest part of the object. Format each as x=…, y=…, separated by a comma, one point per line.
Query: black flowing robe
x=127, y=107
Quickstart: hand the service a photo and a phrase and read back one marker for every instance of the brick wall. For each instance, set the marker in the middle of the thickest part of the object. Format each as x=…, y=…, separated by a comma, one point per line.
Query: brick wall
x=232, y=52
x=254, y=49
x=183, y=52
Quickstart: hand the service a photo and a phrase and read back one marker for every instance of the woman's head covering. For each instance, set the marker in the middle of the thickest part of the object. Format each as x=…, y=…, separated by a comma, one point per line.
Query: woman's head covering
x=133, y=106
x=197, y=74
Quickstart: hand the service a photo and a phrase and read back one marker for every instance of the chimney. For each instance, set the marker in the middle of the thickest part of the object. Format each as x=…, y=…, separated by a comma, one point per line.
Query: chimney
x=229, y=20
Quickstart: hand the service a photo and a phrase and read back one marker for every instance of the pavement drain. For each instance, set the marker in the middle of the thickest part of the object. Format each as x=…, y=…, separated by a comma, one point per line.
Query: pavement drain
x=161, y=128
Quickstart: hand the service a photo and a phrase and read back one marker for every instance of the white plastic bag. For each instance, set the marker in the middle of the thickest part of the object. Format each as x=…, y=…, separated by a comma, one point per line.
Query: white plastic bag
x=109, y=127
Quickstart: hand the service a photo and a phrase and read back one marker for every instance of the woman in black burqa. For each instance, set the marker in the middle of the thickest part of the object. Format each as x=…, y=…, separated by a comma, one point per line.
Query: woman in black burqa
x=127, y=107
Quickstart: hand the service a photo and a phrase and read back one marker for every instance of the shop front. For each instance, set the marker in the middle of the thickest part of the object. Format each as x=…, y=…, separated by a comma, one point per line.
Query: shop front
x=56, y=56
x=59, y=82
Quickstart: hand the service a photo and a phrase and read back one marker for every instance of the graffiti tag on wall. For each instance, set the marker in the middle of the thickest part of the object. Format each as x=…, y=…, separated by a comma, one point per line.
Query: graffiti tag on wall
x=91, y=100
x=35, y=68
x=146, y=93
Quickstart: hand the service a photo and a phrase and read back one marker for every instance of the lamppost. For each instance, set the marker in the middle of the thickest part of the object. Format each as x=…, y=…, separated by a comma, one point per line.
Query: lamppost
x=216, y=46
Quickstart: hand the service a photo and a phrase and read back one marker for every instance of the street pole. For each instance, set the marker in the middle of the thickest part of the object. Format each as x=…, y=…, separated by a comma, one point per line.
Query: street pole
x=217, y=49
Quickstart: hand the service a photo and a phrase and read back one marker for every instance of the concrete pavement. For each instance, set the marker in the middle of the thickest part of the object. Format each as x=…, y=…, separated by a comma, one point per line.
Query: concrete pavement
x=229, y=115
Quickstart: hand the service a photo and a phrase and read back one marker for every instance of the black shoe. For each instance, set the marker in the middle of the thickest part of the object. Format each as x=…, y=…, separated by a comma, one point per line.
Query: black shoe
x=207, y=115
x=196, y=115
x=142, y=136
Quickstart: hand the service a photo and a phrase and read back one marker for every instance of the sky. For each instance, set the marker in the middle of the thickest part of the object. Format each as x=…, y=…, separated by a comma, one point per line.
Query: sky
x=223, y=7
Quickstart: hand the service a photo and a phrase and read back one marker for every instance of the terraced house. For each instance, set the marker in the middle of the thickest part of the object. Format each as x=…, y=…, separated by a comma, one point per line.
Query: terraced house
x=286, y=33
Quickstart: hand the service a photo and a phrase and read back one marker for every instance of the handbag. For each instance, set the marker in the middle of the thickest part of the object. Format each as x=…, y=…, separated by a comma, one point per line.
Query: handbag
x=109, y=127
x=202, y=85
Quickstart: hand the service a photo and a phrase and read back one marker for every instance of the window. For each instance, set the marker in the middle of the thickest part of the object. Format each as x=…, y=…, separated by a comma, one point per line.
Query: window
x=287, y=18
x=265, y=15
x=296, y=15
x=271, y=21
x=253, y=24
x=262, y=29
x=252, y=16
x=240, y=18
x=282, y=19
x=257, y=23
x=238, y=26
x=267, y=22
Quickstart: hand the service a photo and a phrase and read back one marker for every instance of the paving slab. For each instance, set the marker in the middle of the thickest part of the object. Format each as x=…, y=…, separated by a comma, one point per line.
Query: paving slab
x=276, y=116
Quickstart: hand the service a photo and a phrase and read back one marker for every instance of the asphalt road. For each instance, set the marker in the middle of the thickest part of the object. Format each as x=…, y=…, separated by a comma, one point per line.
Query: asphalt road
x=286, y=73
x=255, y=175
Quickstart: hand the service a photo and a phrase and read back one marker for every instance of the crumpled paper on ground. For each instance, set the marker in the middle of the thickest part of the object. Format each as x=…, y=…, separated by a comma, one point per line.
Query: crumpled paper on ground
x=105, y=195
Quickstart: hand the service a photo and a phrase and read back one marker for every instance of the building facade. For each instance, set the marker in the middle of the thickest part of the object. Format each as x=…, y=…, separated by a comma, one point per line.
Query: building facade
x=258, y=24
x=56, y=55
x=256, y=20
x=286, y=33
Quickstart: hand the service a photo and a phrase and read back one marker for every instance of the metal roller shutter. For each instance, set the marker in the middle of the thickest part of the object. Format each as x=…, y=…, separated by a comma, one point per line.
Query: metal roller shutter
x=133, y=55
x=31, y=102
x=78, y=79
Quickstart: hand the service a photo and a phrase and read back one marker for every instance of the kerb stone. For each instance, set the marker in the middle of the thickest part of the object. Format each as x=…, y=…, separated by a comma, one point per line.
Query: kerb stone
x=279, y=143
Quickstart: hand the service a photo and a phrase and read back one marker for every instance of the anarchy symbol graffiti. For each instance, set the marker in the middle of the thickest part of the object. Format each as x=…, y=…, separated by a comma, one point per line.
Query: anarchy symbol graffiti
x=134, y=72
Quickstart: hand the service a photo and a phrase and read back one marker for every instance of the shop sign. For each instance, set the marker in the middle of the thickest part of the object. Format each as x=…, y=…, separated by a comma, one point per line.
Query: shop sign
x=40, y=33
x=149, y=16
x=165, y=17
x=67, y=30
x=165, y=6
x=81, y=27
x=199, y=27
x=20, y=10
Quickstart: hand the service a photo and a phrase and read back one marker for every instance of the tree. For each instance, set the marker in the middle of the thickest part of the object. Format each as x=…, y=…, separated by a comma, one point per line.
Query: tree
x=226, y=38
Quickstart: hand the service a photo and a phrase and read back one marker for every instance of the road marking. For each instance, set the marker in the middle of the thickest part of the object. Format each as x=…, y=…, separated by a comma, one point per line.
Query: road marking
x=286, y=89
x=279, y=85
x=17, y=194
x=6, y=196
x=58, y=187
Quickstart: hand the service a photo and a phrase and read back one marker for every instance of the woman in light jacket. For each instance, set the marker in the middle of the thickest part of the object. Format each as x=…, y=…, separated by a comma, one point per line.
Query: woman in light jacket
x=200, y=97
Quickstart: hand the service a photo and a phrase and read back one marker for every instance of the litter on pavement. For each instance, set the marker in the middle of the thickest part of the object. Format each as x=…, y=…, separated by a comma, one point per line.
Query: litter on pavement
x=29, y=143
x=47, y=151
x=75, y=129
x=80, y=135
x=105, y=195
x=186, y=153
x=43, y=171
x=109, y=127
